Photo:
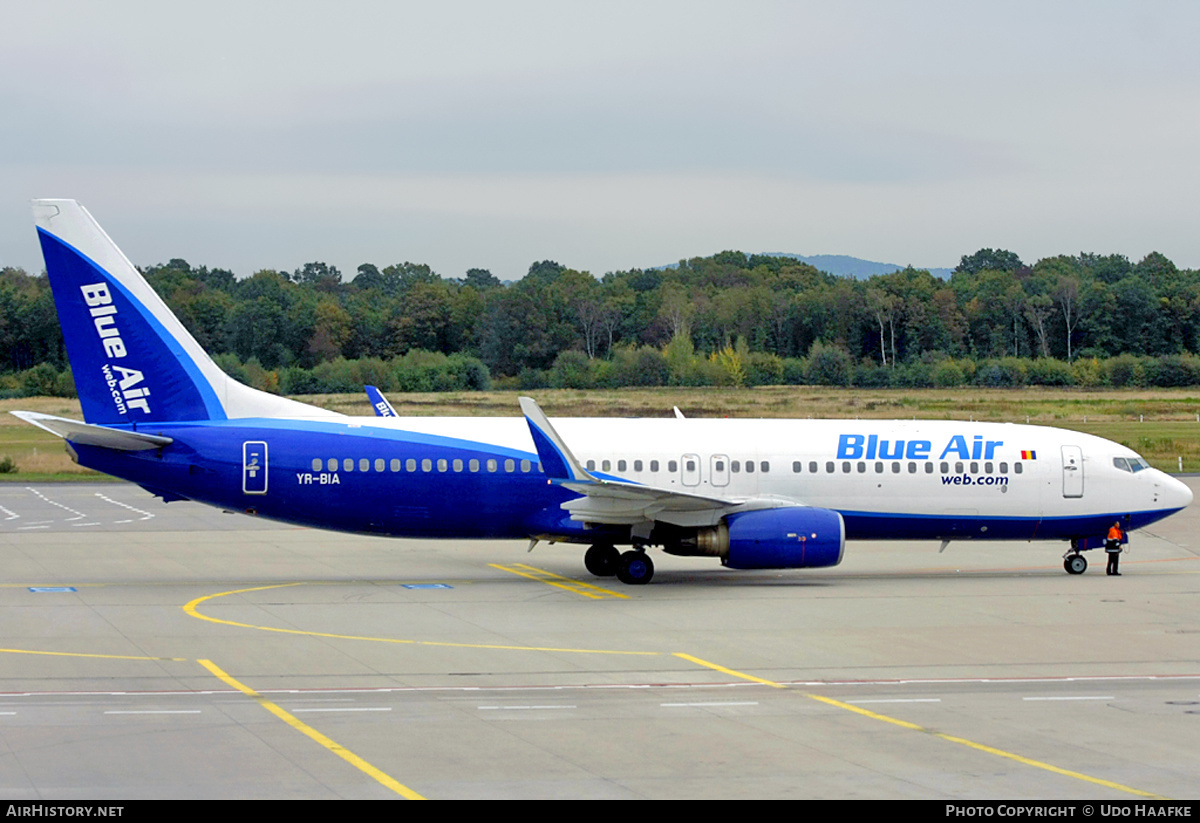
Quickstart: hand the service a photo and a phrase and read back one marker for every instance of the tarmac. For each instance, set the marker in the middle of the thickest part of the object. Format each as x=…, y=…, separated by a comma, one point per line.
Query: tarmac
x=175, y=651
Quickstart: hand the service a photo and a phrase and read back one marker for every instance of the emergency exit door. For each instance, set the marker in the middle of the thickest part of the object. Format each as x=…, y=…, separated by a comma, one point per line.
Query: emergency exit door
x=254, y=467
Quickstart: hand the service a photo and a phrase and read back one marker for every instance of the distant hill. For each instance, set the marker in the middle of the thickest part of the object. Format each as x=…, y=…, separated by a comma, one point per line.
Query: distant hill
x=843, y=265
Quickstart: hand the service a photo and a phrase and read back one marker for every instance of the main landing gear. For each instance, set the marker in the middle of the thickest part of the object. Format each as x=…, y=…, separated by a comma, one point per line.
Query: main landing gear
x=602, y=559
x=633, y=567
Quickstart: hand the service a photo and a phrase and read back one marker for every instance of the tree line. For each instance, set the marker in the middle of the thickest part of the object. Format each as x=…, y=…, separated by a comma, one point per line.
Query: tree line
x=731, y=318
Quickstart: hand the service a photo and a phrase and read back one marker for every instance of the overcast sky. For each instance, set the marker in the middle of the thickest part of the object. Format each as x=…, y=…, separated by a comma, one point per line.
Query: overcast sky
x=603, y=135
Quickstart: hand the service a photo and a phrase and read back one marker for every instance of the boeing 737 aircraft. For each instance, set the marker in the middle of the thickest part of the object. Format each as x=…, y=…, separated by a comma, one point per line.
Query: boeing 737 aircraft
x=757, y=494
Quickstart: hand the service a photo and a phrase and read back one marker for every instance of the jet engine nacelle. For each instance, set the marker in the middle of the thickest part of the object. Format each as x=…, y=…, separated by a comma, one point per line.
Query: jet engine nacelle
x=795, y=537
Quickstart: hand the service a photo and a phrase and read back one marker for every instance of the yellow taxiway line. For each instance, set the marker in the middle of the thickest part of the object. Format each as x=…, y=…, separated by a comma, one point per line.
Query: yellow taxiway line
x=904, y=724
x=307, y=730
x=557, y=580
x=570, y=585
x=191, y=609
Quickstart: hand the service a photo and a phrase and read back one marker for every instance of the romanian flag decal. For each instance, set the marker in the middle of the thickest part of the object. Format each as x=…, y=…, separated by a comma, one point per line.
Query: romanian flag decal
x=1029, y=455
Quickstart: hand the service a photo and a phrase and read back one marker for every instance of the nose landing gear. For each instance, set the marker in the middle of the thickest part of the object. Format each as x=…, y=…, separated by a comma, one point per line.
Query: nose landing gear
x=1075, y=563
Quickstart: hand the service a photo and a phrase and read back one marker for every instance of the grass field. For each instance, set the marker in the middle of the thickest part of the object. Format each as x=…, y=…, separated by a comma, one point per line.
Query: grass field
x=1162, y=425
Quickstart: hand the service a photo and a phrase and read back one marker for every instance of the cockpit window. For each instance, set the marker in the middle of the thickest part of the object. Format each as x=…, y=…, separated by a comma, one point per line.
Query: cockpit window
x=1130, y=464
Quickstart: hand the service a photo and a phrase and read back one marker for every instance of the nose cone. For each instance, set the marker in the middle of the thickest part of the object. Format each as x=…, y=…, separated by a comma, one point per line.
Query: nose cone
x=1175, y=493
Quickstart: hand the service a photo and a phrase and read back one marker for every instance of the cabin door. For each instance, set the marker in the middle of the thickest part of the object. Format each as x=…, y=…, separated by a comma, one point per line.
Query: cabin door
x=1072, y=465
x=254, y=467
x=719, y=472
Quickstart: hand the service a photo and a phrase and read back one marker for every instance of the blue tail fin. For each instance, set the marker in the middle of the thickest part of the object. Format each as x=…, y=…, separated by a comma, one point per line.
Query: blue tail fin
x=133, y=360
x=379, y=403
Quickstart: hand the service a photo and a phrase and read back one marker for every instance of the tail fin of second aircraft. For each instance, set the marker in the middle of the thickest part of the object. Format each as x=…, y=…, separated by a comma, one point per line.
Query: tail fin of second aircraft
x=133, y=360
x=379, y=403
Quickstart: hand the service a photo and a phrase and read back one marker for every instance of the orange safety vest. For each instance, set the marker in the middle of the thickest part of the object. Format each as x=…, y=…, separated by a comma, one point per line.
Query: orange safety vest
x=1114, y=533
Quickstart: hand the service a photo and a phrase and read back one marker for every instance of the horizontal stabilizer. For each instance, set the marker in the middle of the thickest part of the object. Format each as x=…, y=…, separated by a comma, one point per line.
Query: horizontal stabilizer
x=88, y=434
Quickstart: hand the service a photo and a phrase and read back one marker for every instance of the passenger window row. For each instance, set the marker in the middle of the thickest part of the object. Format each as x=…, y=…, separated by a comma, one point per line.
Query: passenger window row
x=673, y=466
x=831, y=467
x=623, y=465
x=363, y=464
x=510, y=466
x=898, y=466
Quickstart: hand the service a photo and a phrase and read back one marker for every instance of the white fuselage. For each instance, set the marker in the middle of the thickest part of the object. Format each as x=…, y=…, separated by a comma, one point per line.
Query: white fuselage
x=942, y=469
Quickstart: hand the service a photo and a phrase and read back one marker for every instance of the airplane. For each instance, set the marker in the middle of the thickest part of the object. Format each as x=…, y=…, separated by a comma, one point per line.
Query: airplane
x=379, y=403
x=754, y=494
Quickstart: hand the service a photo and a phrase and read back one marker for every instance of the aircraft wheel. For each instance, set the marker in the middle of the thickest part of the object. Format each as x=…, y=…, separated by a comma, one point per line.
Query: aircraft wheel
x=635, y=568
x=602, y=560
x=1075, y=564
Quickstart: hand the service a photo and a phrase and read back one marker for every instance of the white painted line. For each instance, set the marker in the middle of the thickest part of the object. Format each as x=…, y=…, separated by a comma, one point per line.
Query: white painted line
x=465, y=693
x=998, y=680
x=144, y=515
x=346, y=709
x=78, y=514
x=706, y=705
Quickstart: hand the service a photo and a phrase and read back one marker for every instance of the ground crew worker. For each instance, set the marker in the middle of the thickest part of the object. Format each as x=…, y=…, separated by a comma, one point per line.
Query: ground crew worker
x=1112, y=547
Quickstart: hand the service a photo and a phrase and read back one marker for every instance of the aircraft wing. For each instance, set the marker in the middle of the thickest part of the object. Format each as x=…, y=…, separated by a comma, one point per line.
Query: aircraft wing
x=613, y=501
x=92, y=435
x=623, y=503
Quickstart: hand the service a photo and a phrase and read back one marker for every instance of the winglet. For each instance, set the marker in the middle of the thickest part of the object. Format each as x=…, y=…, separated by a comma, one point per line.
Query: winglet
x=379, y=403
x=557, y=461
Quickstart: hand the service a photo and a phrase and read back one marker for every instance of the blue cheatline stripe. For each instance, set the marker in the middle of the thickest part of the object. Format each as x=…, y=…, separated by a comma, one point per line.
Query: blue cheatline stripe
x=862, y=525
x=212, y=404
